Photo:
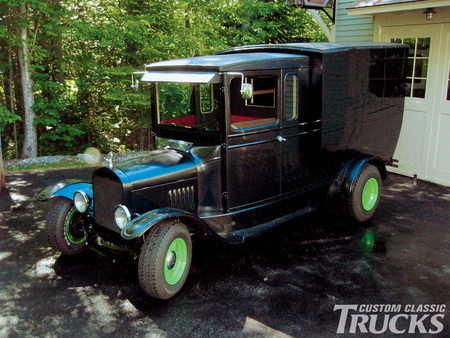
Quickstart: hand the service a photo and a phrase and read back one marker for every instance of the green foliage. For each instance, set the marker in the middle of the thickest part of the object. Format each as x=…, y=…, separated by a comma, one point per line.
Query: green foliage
x=254, y=22
x=83, y=54
x=174, y=100
x=7, y=117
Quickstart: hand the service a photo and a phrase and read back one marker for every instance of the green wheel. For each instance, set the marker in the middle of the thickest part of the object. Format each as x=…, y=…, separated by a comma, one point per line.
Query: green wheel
x=64, y=227
x=370, y=194
x=175, y=262
x=165, y=260
x=365, y=195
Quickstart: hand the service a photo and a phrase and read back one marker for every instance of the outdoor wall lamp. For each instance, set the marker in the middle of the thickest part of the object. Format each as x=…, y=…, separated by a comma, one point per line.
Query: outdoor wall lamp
x=429, y=13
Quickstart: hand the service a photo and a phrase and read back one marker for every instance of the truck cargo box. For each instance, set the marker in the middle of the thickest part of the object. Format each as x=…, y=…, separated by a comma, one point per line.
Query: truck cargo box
x=357, y=90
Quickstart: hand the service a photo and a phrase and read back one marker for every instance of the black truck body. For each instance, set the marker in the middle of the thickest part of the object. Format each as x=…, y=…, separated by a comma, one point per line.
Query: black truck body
x=247, y=139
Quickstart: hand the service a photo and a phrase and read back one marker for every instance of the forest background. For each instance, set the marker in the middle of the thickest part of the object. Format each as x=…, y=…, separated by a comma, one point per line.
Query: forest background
x=66, y=65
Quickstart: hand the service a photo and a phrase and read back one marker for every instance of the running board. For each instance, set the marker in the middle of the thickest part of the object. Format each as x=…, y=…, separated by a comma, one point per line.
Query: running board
x=245, y=234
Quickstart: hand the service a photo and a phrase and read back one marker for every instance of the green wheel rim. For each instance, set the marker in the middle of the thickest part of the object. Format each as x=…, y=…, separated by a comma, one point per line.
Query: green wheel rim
x=176, y=261
x=69, y=228
x=370, y=194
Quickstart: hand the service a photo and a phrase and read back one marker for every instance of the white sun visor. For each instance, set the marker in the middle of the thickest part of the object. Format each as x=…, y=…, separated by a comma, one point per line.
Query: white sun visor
x=181, y=77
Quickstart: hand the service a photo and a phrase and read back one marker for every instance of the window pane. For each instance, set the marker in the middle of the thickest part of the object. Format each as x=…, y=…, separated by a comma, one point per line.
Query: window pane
x=421, y=68
x=417, y=65
x=263, y=92
x=206, y=98
x=408, y=87
x=178, y=105
x=419, y=88
x=409, y=68
x=257, y=112
x=291, y=97
x=174, y=101
x=412, y=46
x=423, y=47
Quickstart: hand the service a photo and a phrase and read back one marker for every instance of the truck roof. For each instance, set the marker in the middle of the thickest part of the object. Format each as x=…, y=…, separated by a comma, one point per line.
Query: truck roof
x=232, y=62
x=315, y=47
x=206, y=69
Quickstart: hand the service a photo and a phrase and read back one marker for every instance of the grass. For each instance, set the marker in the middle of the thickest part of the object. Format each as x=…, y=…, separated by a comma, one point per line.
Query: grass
x=49, y=166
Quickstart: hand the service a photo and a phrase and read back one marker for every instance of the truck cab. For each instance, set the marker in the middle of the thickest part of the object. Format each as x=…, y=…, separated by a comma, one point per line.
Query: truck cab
x=246, y=140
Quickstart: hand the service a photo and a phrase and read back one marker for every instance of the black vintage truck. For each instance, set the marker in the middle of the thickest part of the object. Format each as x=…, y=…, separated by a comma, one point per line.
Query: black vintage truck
x=247, y=139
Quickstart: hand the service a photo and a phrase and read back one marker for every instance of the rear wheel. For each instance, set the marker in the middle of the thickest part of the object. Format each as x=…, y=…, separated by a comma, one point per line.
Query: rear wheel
x=165, y=260
x=64, y=227
x=365, y=195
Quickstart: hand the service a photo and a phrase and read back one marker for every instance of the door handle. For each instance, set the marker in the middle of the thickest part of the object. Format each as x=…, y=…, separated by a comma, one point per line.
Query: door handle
x=280, y=138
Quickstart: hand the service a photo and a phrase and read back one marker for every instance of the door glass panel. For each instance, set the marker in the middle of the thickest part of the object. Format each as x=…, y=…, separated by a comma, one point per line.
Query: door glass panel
x=419, y=88
x=263, y=92
x=412, y=45
x=421, y=69
x=417, y=65
x=260, y=110
x=290, y=97
x=206, y=98
x=423, y=47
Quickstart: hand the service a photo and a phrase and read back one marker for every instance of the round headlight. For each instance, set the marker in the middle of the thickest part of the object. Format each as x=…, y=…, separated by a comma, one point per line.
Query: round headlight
x=122, y=216
x=81, y=201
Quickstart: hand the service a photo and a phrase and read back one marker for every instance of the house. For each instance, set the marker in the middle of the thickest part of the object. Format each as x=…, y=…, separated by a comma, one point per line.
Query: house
x=423, y=150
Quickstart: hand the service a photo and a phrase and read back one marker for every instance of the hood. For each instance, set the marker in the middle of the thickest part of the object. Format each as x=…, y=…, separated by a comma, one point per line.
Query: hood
x=158, y=167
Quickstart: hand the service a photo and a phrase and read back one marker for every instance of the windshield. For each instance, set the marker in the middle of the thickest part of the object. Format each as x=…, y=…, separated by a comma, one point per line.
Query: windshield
x=188, y=105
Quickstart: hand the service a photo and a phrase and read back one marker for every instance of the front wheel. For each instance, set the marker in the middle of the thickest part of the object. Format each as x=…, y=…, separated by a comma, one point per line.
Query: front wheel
x=165, y=260
x=64, y=227
x=365, y=195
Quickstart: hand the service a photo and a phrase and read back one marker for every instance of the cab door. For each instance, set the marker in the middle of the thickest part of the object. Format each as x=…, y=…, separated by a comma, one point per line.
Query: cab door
x=253, y=146
x=300, y=134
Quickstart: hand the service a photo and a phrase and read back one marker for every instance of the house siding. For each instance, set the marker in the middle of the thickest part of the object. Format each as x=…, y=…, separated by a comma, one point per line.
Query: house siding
x=352, y=28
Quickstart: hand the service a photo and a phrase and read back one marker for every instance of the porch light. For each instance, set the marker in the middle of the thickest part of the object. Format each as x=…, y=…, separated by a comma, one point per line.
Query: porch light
x=429, y=13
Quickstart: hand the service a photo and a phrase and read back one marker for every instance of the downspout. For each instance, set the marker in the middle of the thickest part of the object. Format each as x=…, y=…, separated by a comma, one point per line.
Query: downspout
x=317, y=18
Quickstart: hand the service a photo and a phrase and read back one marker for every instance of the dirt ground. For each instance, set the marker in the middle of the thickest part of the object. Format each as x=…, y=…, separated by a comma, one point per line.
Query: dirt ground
x=316, y=276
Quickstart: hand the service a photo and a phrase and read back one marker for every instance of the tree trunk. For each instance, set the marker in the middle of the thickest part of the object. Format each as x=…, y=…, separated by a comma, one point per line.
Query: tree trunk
x=11, y=97
x=30, y=142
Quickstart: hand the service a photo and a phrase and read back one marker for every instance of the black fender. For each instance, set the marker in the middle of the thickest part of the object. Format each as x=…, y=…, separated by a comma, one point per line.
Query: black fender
x=344, y=183
x=66, y=189
x=141, y=224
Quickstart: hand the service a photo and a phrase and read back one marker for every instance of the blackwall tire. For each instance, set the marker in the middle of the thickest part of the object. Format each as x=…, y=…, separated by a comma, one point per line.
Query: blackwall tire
x=165, y=260
x=64, y=227
x=365, y=196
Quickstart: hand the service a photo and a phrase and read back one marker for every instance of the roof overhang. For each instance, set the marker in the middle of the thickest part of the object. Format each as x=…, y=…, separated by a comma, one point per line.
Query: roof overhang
x=372, y=7
x=181, y=77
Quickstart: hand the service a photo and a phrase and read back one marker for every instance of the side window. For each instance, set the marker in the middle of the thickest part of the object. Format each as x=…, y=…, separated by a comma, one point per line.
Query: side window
x=260, y=110
x=263, y=92
x=290, y=97
x=207, y=104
